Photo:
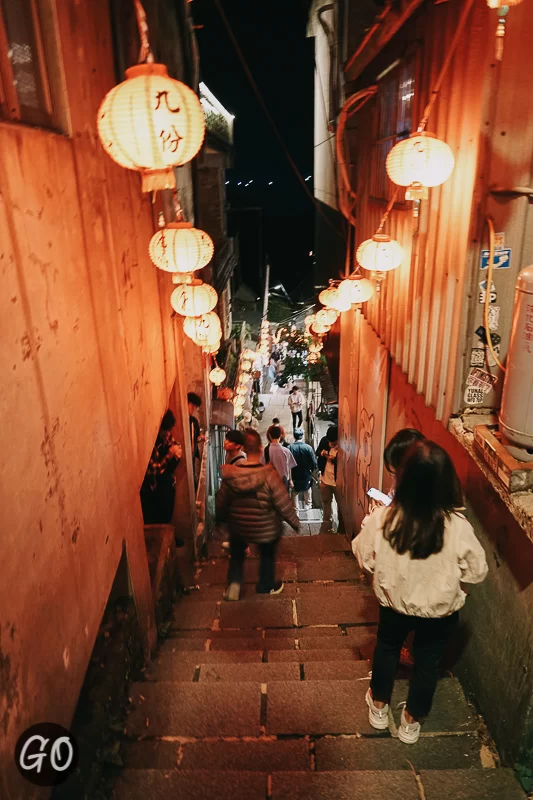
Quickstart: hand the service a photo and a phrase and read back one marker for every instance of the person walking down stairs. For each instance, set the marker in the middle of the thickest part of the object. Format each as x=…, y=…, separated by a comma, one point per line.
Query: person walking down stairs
x=419, y=550
x=296, y=403
x=253, y=501
x=302, y=473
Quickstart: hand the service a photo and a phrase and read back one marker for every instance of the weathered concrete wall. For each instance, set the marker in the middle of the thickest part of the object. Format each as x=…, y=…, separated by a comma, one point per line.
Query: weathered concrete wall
x=88, y=359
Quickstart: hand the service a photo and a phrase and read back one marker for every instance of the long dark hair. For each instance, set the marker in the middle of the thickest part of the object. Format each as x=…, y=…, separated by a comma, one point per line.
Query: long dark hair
x=427, y=493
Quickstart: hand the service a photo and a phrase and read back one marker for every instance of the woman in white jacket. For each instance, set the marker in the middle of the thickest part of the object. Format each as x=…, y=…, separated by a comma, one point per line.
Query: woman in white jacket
x=419, y=550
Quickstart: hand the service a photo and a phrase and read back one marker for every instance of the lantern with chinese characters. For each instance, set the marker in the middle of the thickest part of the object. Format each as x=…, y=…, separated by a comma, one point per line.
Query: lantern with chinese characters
x=379, y=254
x=332, y=299
x=181, y=248
x=217, y=376
x=193, y=299
x=204, y=330
x=357, y=289
x=420, y=161
x=326, y=316
x=151, y=123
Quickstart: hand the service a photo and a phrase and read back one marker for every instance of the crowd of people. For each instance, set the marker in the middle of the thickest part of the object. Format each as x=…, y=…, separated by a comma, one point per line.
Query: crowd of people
x=416, y=543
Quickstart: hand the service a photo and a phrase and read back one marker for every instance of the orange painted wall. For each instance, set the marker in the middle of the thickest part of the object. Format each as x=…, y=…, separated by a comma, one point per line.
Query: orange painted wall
x=88, y=365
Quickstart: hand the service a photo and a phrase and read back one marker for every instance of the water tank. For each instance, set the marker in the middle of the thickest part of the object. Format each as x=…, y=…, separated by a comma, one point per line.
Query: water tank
x=516, y=414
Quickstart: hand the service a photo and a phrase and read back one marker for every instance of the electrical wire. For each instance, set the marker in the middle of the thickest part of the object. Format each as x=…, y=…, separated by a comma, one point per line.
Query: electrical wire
x=264, y=106
x=490, y=268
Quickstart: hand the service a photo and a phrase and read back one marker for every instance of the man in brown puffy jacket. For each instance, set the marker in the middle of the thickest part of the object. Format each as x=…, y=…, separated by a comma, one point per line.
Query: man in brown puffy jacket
x=253, y=501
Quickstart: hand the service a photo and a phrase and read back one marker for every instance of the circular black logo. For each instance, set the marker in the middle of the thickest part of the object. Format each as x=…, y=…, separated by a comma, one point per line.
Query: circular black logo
x=46, y=754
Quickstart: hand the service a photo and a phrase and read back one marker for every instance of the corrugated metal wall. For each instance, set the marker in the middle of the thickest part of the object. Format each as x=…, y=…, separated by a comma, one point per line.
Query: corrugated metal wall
x=419, y=311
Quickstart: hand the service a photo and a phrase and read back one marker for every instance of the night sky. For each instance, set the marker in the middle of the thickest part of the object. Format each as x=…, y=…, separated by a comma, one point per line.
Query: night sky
x=280, y=57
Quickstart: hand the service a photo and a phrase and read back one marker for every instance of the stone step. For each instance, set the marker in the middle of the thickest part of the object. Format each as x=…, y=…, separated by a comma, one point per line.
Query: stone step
x=199, y=784
x=360, y=637
x=214, y=707
x=326, y=754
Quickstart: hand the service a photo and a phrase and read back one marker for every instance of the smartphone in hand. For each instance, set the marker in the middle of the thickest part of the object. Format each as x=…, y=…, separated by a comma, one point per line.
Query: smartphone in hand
x=379, y=497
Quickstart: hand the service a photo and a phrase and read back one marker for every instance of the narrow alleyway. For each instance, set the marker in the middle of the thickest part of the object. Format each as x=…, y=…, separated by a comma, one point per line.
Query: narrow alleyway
x=264, y=698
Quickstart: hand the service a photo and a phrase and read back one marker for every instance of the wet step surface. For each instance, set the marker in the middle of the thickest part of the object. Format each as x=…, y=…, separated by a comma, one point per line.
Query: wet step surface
x=264, y=698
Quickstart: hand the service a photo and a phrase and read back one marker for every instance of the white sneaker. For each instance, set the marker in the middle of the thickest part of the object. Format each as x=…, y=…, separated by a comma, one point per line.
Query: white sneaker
x=378, y=717
x=233, y=592
x=408, y=732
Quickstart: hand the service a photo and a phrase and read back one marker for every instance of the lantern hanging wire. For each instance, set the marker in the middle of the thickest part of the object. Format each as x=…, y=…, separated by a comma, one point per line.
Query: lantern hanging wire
x=145, y=54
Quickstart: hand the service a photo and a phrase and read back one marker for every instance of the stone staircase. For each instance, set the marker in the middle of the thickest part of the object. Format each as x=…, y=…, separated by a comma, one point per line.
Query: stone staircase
x=264, y=698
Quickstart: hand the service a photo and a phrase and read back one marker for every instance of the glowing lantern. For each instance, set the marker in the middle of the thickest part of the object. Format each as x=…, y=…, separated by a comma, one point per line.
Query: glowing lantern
x=151, y=123
x=315, y=347
x=320, y=330
x=380, y=254
x=501, y=3
x=246, y=365
x=332, y=299
x=249, y=355
x=312, y=358
x=217, y=376
x=211, y=349
x=357, y=289
x=327, y=316
x=193, y=299
x=242, y=390
x=308, y=321
x=420, y=161
x=204, y=330
x=244, y=378
x=181, y=248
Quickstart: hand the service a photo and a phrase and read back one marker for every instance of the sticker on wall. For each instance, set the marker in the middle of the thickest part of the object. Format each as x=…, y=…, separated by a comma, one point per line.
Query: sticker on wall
x=499, y=241
x=494, y=317
x=477, y=357
x=483, y=291
x=494, y=337
x=479, y=379
x=490, y=358
x=502, y=258
x=474, y=396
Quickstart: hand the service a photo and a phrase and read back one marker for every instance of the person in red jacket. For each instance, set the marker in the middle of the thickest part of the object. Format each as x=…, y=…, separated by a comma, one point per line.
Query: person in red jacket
x=253, y=502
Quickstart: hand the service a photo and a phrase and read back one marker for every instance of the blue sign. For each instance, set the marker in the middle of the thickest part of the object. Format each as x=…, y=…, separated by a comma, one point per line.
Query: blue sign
x=502, y=259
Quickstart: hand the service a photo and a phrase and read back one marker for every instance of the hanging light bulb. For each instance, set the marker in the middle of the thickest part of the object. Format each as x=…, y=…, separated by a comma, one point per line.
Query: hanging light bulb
x=193, y=299
x=357, y=289
x=379, y=254
x=181, y=248
x=217, y=376
x=420, y=161
x=204, y=330
x=326, y=316
x=151, y=123
x=331, y=299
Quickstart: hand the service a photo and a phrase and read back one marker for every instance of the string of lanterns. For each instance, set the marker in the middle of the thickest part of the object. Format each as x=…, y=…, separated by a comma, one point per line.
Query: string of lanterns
x=244, y=379
x=153, y=124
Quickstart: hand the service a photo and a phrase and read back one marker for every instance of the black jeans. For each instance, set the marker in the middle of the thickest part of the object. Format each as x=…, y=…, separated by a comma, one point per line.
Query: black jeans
x=297, y=419
x=267, y=563
x=431, y=637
